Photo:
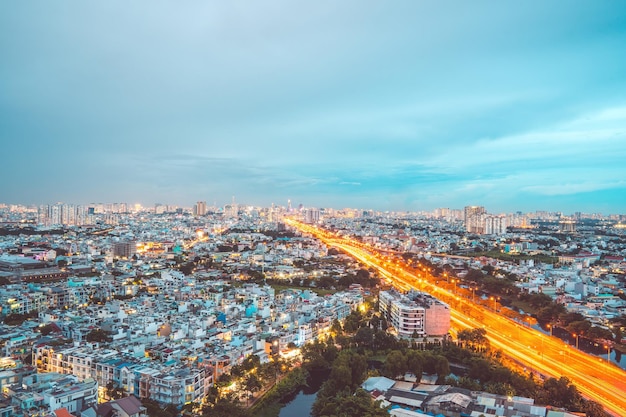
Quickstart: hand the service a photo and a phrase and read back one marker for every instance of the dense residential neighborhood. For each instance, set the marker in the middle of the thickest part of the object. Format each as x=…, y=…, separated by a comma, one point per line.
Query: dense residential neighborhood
x=116, y=304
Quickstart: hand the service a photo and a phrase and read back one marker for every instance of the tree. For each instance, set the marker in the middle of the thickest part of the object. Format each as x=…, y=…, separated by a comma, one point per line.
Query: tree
x=560, y=393
x=375, y=322
x=364, y=336
x=14, y=319
x=312, y=358
x=550, y=313
x=326, y=282
x=336, y=328
x=226, y=406
x=474, y=275
x=352, y=322
x=594, y=409
x=341, y=376
x=395, y=364
x=415, y=363
x=570, y=317
x=579, y=327
x=98, y=335
x=442, y=366
x=45, y=330
x=383, y=341
x=596, y=333
x=252, y=383
x=251, y=362
x=475, y=339
x=114, y=392
x=346, y=404
x=155, y=409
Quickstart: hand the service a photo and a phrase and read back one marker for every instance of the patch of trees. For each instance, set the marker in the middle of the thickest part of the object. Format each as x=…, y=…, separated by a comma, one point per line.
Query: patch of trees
x=474, y=339
x=98, y=335
x=226, y=248
x=478, y=368
x=399, y=362
x=155, y=409
x=340, y=395
x=29, y=231
x=542, y=306
x=46, y=329
x=333, y=252
x=560, y=393
x=16, y=319
x=362, y=277
x=114, y=392
x=123, y=296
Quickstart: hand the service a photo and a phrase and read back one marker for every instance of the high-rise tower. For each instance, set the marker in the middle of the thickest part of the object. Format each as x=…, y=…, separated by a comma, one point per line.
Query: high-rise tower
x=475, y=219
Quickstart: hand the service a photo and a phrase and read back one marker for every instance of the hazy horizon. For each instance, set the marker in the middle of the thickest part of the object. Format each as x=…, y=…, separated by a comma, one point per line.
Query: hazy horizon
x=401, y=106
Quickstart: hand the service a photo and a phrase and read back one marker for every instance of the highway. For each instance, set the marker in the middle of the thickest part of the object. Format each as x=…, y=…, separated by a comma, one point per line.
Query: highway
x=594, y=377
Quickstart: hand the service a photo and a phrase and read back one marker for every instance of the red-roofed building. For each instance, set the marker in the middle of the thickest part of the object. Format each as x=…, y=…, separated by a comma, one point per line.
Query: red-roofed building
x=62, y=412
x=124, y=407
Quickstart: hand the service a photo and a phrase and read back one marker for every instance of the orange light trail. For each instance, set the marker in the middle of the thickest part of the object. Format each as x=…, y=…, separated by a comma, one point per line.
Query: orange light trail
x=594, y=377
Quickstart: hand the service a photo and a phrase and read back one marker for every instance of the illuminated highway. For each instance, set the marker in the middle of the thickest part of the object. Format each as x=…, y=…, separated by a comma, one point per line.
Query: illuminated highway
x=594, y=377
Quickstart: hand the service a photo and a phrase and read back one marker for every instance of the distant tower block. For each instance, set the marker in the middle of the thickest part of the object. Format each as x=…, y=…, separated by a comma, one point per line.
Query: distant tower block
x=474, y=217
x=199, y=209
x=567, y=226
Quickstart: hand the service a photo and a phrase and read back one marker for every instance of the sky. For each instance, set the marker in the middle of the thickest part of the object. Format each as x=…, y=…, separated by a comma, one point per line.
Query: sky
x=400, y=105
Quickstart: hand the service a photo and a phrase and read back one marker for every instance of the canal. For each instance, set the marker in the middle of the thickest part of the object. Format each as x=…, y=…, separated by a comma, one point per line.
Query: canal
x=300, y=402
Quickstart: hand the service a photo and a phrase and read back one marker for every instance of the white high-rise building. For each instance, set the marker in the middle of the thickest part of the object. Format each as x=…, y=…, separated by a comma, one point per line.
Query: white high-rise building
x=495, y=225
x=311, y=215
x=414, y=314
x=474, y=219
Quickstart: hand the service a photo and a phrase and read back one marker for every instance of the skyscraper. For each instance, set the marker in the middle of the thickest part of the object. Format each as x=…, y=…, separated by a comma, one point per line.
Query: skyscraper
x=311, y=215
x=495, y=225
x=475, y=219
x=199, y=209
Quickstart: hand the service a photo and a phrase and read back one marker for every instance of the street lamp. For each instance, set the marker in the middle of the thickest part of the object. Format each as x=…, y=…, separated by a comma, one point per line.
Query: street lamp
x=608, y=353
x=495, y=303
x=576, y=335
x=550, y=327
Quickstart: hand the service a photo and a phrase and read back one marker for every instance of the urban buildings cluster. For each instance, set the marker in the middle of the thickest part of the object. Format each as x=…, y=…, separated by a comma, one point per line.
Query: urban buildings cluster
x=158, y=301
x=414, y=314
x=406, y=395
x=578, y=260
x=169, y=334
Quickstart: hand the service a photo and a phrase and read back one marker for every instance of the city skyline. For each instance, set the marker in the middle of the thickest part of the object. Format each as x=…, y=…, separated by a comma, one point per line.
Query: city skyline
x=402, y=106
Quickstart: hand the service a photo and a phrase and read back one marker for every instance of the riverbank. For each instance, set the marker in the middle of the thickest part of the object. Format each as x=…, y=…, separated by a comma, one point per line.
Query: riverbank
x=269, y=405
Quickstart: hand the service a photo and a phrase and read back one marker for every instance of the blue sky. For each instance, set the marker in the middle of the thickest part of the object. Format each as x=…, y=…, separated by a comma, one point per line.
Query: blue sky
x=402, y=105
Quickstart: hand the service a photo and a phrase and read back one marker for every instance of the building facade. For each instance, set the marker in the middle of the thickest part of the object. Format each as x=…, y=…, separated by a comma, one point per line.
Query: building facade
x=474, y=217
x=414, y=314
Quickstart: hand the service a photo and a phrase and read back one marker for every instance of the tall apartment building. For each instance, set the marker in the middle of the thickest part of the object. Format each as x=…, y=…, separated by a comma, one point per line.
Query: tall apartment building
x=231, y=211
x=567, y=225
x=414, y=314
x=64, y=214
x=495, y=225
x=474, y=217
x=199, y=209
x=311, y=215
x=124, y=249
